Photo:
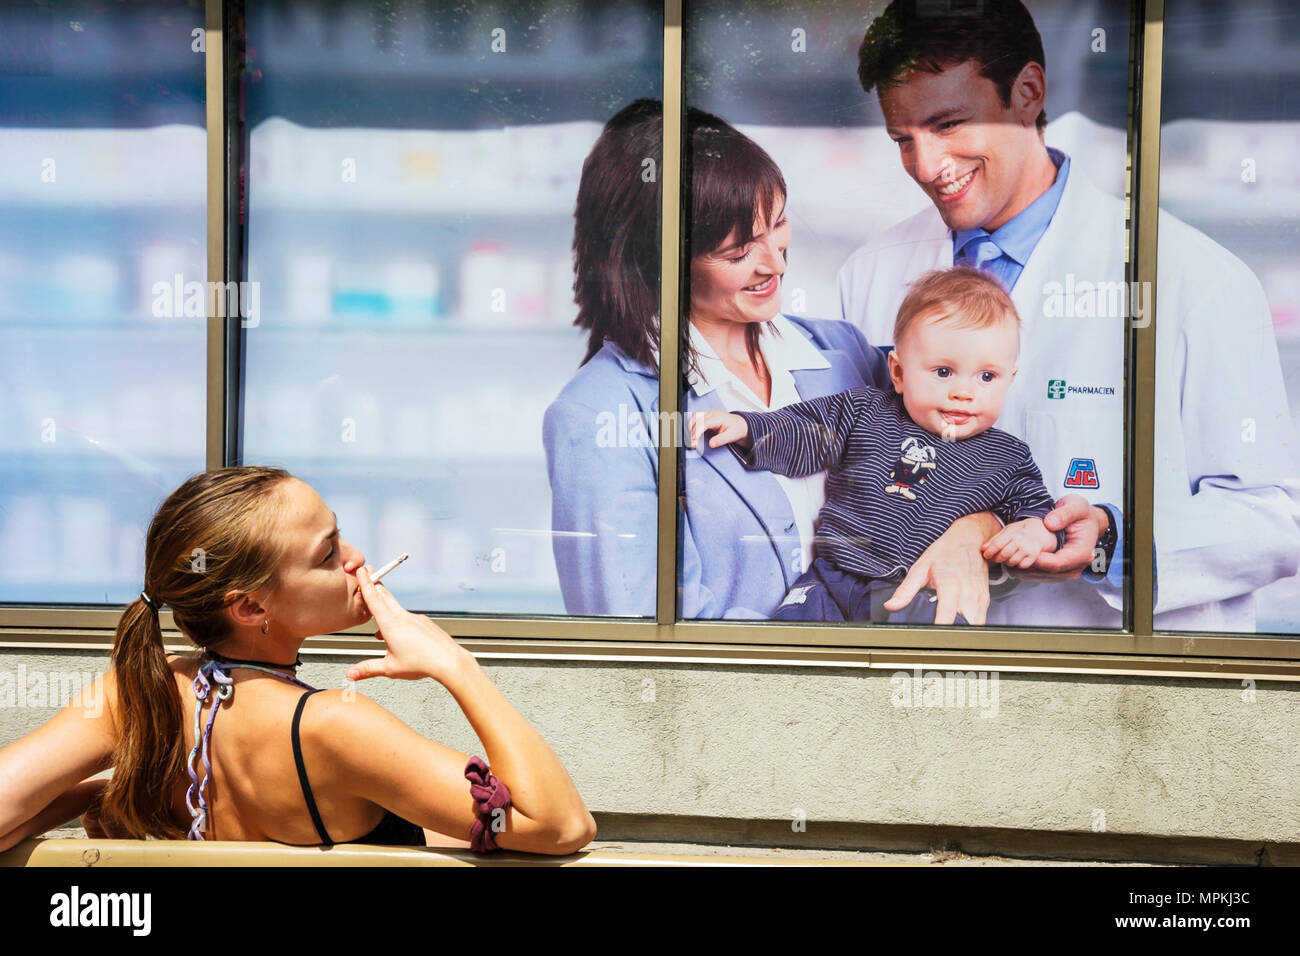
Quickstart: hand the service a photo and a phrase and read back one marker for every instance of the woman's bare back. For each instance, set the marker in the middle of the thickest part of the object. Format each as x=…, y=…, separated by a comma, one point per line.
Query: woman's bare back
x=254, y=793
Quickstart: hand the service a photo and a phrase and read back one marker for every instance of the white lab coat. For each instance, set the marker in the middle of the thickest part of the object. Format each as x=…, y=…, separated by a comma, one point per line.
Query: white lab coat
x=1227, y=515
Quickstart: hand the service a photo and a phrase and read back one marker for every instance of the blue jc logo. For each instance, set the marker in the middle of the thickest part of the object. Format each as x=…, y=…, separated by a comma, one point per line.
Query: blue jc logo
x=1082, y=473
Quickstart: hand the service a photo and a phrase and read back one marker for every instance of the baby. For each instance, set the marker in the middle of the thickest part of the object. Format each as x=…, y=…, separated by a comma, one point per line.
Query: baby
x=905, y=464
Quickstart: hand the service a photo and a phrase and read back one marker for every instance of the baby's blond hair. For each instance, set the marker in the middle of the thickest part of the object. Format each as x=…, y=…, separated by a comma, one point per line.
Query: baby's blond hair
x=964, y=296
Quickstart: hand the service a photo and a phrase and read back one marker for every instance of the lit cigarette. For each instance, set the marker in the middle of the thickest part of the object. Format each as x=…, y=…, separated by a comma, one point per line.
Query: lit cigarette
x=388, y=567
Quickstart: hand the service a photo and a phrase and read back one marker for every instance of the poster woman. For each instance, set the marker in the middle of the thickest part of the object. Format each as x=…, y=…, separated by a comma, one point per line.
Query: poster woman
x=744, y=536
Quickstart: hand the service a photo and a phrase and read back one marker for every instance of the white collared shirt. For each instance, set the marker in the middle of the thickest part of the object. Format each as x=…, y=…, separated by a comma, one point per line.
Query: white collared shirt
x=783, y=352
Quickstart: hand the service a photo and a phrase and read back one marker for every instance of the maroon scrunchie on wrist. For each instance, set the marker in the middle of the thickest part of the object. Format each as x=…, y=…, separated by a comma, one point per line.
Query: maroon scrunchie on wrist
x=490, y=795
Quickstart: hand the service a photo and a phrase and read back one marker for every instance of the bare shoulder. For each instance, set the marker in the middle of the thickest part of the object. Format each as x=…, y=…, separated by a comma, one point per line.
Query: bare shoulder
x=101, y=699
x=368, y=752
x=348, y=725
x=182, y=666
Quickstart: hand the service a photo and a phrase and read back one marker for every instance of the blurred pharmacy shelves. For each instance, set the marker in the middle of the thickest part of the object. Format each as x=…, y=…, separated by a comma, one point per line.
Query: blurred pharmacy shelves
x=410, y=226
x=101, y=390
x=102, y=194
x=417, y=320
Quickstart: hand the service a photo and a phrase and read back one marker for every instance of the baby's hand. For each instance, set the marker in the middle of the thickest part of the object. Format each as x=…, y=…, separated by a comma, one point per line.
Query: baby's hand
x=1019, y=544
x=730, y=428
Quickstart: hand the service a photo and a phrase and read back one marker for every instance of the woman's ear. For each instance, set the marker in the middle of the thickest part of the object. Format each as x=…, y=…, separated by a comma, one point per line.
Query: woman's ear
x=244, y=609
x=895, y=370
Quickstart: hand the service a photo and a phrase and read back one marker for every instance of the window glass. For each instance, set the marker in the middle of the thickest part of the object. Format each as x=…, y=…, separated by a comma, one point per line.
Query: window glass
x=1227, y=529
x=412, y=179
x=102, y=295
x=839, y=468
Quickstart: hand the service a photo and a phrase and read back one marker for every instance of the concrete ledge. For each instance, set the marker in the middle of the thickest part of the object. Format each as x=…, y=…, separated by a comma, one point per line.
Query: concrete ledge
x=1038, y=845
x=1119, y=767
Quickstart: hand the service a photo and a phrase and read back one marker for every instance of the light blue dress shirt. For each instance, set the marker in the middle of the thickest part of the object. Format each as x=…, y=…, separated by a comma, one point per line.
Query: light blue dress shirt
x=1015, y=240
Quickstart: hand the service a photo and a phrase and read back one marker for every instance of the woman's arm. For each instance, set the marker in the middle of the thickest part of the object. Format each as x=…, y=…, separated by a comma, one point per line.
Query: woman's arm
x=77, y=801
x=954, y=567
x=38, y=772
x=379, y=758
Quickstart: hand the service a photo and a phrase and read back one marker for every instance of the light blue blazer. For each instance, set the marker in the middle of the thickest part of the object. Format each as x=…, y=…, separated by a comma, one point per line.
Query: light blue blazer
x=737, y=536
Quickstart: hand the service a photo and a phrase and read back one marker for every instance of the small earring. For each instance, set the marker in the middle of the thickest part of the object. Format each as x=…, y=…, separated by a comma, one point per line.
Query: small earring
x=266, y=625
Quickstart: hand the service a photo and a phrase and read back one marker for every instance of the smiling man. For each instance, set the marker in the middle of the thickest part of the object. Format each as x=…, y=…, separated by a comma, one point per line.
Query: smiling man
x=963, y=94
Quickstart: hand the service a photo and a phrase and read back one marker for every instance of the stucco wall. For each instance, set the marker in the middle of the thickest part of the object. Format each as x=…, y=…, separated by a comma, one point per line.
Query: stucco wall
x=1120, y=755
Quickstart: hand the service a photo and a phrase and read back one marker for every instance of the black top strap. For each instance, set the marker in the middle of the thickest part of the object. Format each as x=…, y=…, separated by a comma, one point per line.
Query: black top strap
x=302, y=770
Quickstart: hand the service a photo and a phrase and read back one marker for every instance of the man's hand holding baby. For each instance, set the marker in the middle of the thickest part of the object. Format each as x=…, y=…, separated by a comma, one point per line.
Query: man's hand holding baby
x=1019, y=544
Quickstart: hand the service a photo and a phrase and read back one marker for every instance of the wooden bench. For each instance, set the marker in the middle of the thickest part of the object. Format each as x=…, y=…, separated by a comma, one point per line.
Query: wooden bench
x=114, y=853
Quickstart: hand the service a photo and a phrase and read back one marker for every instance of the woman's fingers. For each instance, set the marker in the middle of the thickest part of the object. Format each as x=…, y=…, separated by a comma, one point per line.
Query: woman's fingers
x=960, y=597
x=904, y=593
x=377, y=597
x=954, y=594
x=974, y=609
x=962, y=589
x=370, y=667
x=945, y=612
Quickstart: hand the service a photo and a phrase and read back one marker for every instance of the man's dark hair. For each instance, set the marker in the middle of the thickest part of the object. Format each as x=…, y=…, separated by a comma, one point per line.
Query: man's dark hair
x=929, y=35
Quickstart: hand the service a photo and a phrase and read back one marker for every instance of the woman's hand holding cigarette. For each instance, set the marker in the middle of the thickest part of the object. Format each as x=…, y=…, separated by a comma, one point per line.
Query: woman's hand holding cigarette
x=417, y=647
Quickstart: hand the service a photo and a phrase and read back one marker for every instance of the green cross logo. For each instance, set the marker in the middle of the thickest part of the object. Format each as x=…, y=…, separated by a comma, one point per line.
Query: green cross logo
x=1056, y=388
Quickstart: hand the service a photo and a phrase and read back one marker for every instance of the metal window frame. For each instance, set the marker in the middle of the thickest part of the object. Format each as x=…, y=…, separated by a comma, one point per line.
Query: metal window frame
x=1137, y=650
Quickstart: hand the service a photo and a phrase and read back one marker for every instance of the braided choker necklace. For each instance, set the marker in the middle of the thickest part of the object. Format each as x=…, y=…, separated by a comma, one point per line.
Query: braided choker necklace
x=235, y=660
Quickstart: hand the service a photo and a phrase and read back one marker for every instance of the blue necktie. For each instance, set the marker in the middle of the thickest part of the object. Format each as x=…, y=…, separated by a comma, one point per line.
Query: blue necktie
x=978, y=253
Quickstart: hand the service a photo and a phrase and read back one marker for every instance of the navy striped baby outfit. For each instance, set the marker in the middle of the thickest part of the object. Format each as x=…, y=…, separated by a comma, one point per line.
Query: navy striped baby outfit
x=892, y=488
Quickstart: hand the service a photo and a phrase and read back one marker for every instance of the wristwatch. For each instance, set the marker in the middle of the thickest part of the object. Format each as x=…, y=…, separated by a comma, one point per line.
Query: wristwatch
x=1109, y=537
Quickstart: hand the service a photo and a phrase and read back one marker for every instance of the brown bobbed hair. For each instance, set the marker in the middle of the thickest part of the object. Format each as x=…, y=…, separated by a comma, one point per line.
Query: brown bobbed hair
x=734, y=182
x=617, y=221
x=616, y=234
x=212, y=535
x=998, y=35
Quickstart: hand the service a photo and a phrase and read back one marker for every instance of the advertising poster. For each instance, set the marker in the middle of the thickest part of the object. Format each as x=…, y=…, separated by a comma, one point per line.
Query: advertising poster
x=909, y=360
x=1228, y=306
